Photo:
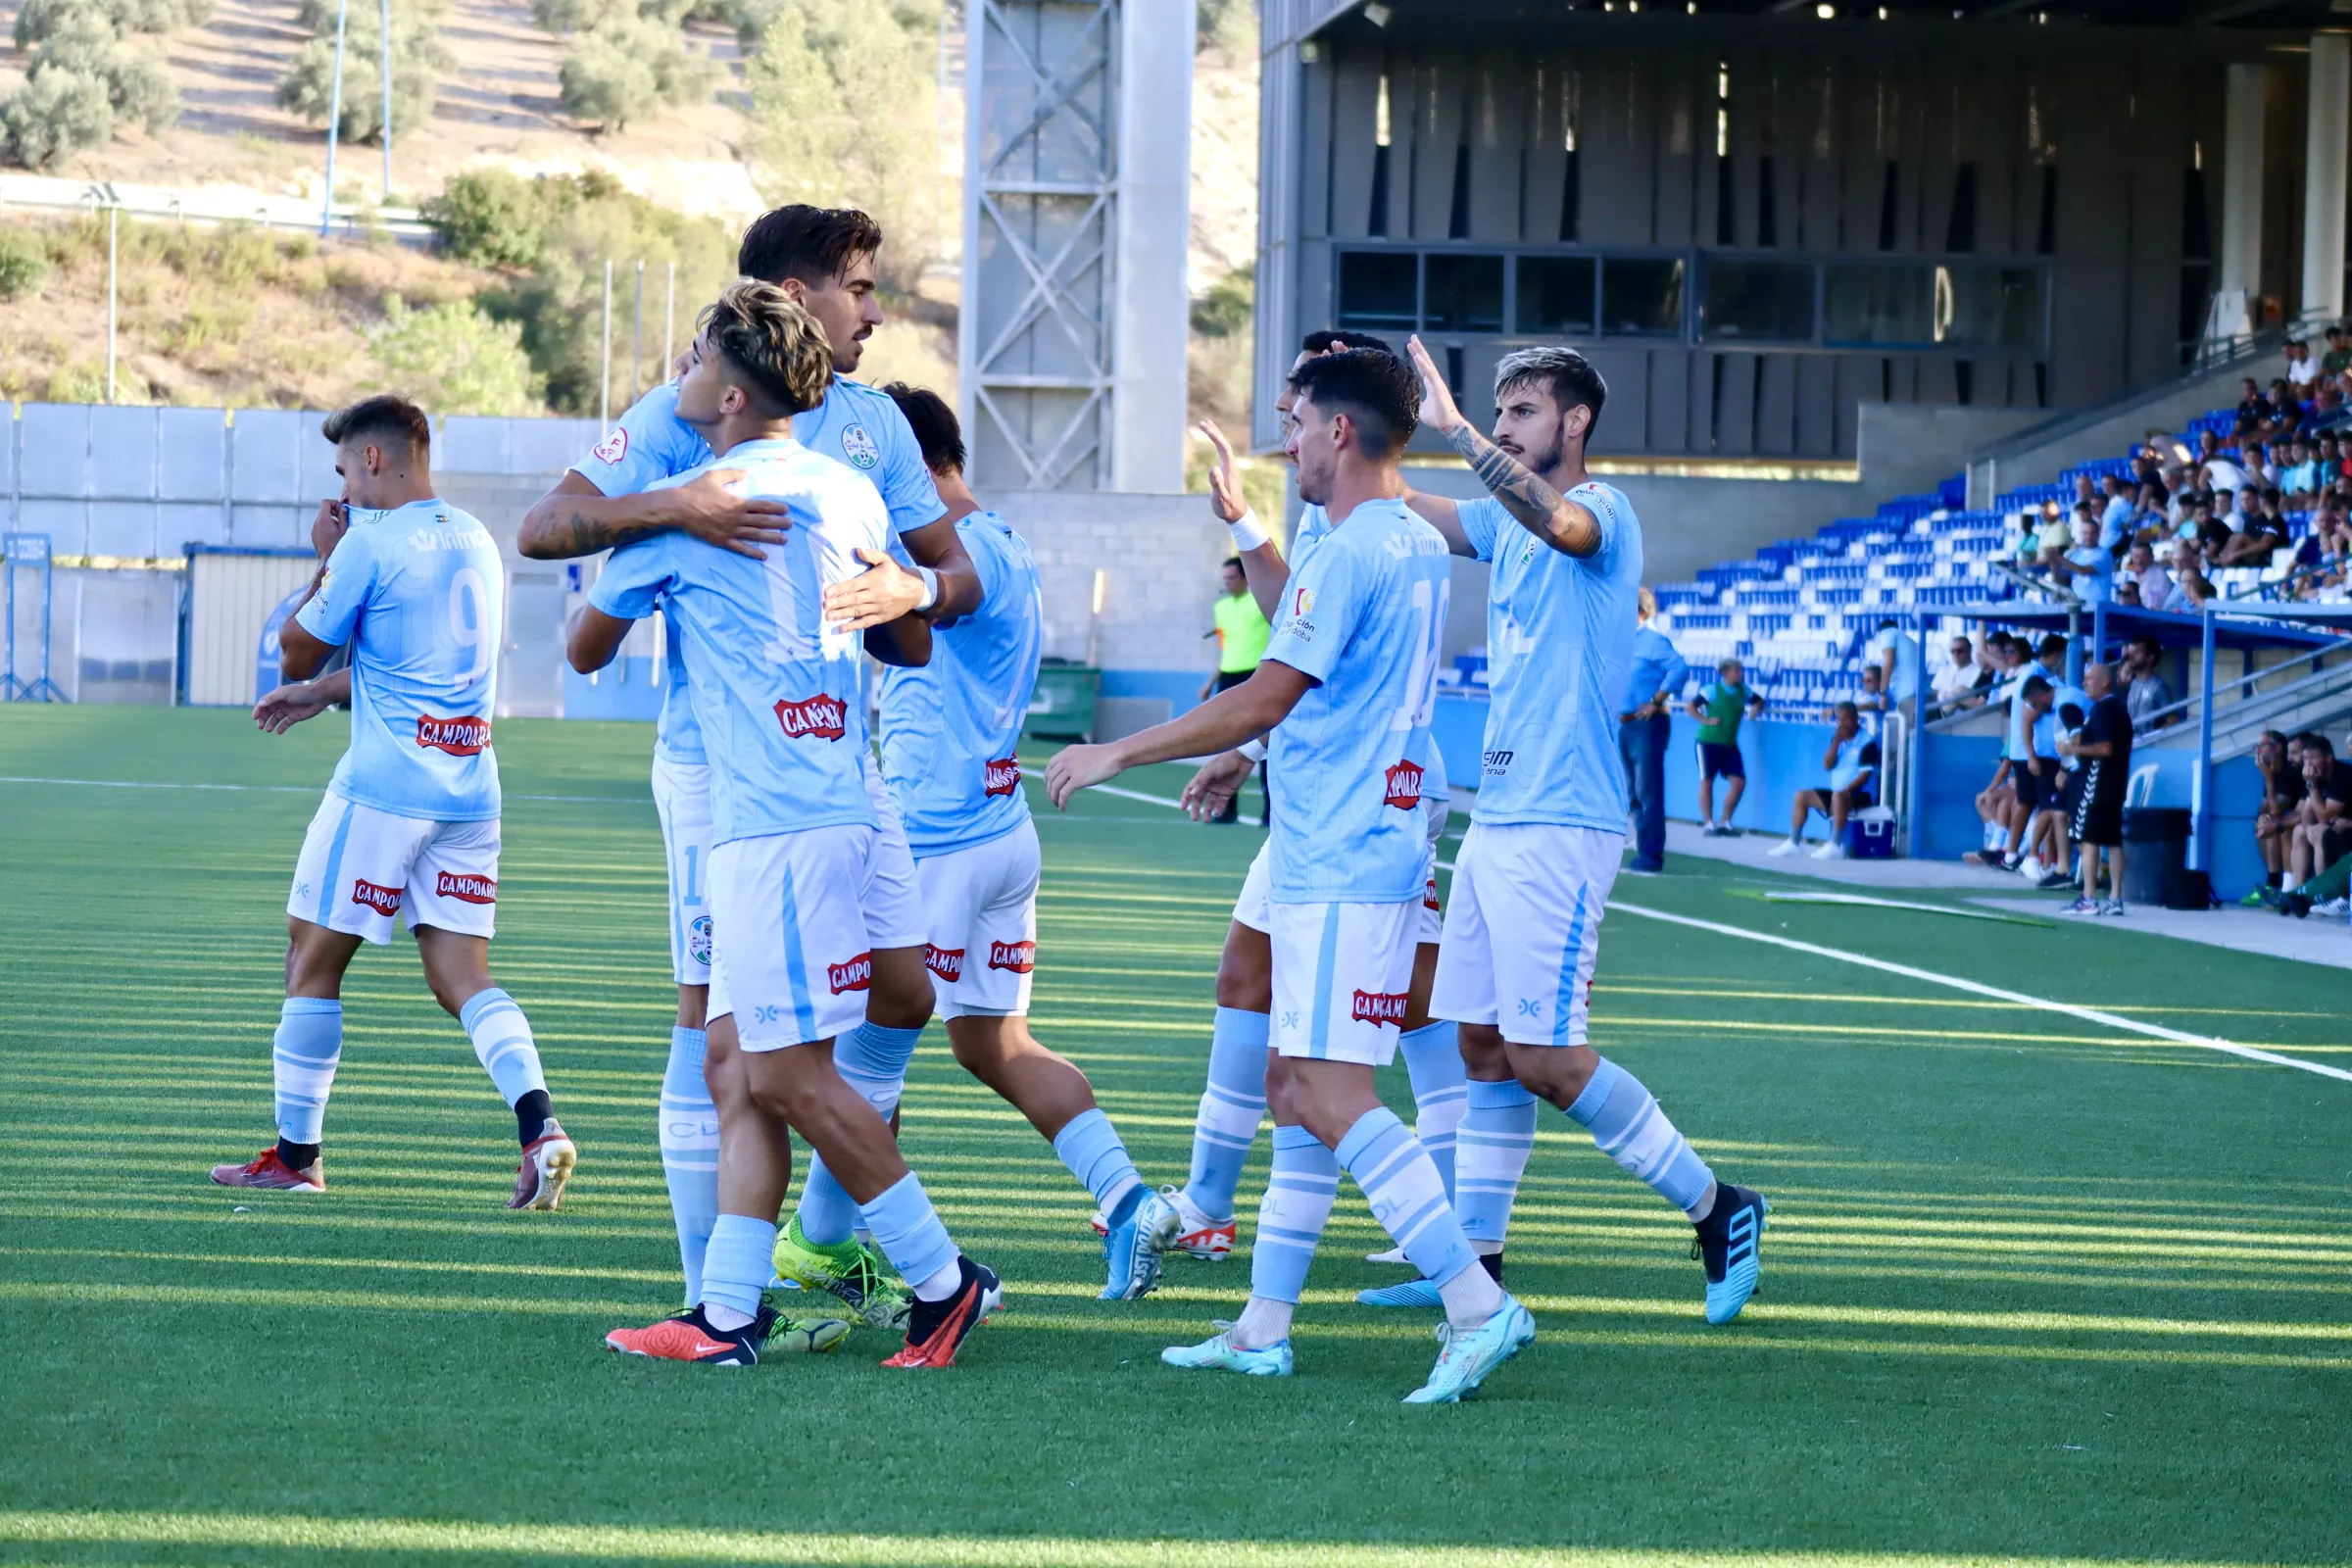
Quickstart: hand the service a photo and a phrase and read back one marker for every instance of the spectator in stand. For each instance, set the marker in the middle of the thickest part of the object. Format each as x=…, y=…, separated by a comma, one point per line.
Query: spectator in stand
x=2149, y=519
x=1643, y=729
x=2301, y=368
x=1960, y=677
x=2102, y=746
x=2047, y=536
x=2323, y=412
x=2254, y=411
x=2302, y=475
x=2087, y=569
x=2338, y=358
x=2322, y=831
x=1719, y=707
x=2208, y=531
x=2152, y=580
x=1892, y=652
x=2210, y=456
x=2145, y=690
x=1870, y=700
x=2115, y=515
x=2258, y=537
x=2287, y=414
x=2274, y=823
x=1849, y=762
x=2190, y=590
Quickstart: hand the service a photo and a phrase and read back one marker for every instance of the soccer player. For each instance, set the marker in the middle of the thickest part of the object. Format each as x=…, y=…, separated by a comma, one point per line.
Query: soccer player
x=823, y=258
x=410, y=822
x=1234, y=1100
x=951, y=733
x=1350, y=678
x=775, y=680
x=1533, y=875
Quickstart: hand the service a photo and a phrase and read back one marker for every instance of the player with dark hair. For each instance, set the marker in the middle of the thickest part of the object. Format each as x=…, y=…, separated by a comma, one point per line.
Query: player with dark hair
x=410, y=825
x=1346, y=688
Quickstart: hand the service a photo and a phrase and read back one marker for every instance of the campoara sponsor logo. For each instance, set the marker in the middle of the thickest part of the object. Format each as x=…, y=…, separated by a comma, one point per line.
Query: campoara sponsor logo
x=382, y=900
x=1405, y=785
x=1015, y=957
x=855, y=975
x=819, y=717
x=1004, y=776
x=459, y=737
x=945, y=962
x=466, y=888
x=1379, y=1008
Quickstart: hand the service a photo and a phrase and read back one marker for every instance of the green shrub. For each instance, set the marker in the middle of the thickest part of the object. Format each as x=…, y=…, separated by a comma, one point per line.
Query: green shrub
x=24, y=264
x=452, y=358
x=490, y=218
x=140, y=84
x=419, y=57
x=39, y=19
x=55, y=115
x=1230, y=306
x=624, y=68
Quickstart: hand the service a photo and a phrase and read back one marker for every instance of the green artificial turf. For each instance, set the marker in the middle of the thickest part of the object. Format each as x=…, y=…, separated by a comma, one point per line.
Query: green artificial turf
x=2034, y=1289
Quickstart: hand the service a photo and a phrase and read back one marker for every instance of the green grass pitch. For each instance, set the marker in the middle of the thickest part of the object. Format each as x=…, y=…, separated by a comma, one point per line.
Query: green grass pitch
x=2032, y=1291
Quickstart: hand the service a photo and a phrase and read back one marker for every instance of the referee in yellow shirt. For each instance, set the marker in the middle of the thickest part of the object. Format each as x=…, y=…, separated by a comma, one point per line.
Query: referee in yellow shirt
x=1241, y=633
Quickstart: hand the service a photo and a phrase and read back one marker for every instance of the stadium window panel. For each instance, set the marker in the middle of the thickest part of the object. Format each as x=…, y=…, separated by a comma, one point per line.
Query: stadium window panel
x=1641, y=296
x=1379, y=291
x=1890, y=306
x=1555, y=295
x=1465, y=294
x=1997, y=306
x=1759, y=301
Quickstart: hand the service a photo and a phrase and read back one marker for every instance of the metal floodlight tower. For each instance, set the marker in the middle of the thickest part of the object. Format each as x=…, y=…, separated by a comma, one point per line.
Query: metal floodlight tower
x=1077, y=154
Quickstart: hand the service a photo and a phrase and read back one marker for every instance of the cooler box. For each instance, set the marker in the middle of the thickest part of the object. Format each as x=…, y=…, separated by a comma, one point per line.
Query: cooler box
x=1870, y=834
x=1062, y=706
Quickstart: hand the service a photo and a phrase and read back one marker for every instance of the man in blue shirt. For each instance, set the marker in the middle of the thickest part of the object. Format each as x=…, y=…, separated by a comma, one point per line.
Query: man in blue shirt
x=1657, y=683
x=775, y=682
x=1532, y=878
x=1847, y=765
x=1346, y=687
x=823, y=258
x=410, y=822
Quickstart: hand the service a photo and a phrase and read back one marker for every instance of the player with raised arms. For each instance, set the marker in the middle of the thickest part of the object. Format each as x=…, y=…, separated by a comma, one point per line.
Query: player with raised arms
x=1349, y=677
x=1532, y=878
x=823, y=258
x=774, y=677
x=410, y=822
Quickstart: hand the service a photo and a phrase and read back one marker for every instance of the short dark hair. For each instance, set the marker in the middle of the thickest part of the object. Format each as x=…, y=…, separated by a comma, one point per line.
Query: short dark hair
x=1377, y=392
x=1323, y=339
x=1234, y=562
x=814, y=244
x=1845, y=706
x=934, y=424
x=1561, y=371
x=2034, y=686
x=387, y=415
x=2271, y=735
x=2313, y=741
x=776, y=346
x=2052, y=644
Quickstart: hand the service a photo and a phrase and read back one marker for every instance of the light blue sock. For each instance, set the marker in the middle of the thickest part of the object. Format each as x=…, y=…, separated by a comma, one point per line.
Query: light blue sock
x=502, y=1042
x=1433, y=1059
x=689, y=1138
x=1090, y=1146
x=1406, y=1197
x=1631, y=1128
x=908, y=1231
x=740, y=1262
x=1497, y=1134
x=1231, y=1108
x=871, y=1058
x=1290, y=1216
x=302, y=1063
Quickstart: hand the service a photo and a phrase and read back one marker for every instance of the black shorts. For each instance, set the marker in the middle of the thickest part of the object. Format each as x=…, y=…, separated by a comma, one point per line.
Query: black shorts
x=1720, y=760
x=2027, y=787
x=2070, y=792
x=2097, y=819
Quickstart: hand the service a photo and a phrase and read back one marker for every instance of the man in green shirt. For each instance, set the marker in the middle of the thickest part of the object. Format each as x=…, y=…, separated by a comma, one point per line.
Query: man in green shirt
x=1241, y=633
x=1719, y=709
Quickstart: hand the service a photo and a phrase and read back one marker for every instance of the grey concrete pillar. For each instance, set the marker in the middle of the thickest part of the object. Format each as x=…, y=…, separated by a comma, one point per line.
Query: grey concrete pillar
x=2241, y=184
x=1152, y=231
x=2329, y=122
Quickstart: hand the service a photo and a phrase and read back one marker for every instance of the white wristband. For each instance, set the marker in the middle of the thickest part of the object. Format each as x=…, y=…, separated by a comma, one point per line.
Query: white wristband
x=1247, y=532
x=930, y=588
x=1254, y=749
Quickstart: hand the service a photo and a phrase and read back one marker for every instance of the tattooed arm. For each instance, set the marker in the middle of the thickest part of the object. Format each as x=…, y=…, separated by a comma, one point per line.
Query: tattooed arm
x=575, y=519
x=1542, y=511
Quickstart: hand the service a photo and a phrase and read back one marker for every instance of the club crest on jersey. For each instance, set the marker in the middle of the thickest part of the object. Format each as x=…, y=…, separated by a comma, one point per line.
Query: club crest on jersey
x=1404, y=785
x=459, y=737
x=1015, y=957
x=698, y=939
x=1379, y=1007
x=859, y=448
x=382, y=900
x=612, y=448
x=855, y=975
x=819, y=717
x=945, y=962
x=1004, y=776
x=466, y=888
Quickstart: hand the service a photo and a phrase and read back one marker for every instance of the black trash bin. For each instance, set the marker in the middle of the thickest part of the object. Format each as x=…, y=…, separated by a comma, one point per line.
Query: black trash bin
x=2155, y=851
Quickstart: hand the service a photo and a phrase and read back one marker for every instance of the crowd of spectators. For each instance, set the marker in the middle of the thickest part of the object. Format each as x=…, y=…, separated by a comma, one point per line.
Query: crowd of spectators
x=2304, y=829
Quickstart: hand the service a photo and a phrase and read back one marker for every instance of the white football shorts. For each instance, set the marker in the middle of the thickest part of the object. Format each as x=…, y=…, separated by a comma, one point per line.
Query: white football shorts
x=1254, y=908
x=360, y=866
x=894, y=905
x=682, y=800
x=982, y=906
x=1523, y=929
x=1341, y=972
x=790, y=958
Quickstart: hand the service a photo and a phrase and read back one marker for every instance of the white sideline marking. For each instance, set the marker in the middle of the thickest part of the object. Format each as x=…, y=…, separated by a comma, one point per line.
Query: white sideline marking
x=1137, y=795
x=289, y=789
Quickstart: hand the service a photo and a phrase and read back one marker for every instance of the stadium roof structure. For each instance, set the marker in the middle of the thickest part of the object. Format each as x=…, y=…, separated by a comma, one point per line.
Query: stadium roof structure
x=2238, y=627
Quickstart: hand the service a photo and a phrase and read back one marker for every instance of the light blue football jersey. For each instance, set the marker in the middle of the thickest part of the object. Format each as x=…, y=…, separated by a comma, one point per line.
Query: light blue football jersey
x=775, y=691
x=419, y=595
x=1362, y=616
x=854, y=426
x=1559, y=653
x=952, y=730
x=1314, y=523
